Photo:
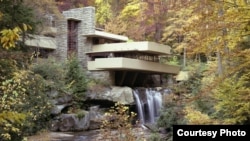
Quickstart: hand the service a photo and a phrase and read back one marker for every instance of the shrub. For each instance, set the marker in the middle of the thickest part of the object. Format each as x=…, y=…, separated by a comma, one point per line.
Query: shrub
x=155, y=137
x=52, y=71
x=172, y=112
x=194, y=116
x=7, y=67
x=118, y=124
x=11, y=125
x=76, y=81
x=24, y=93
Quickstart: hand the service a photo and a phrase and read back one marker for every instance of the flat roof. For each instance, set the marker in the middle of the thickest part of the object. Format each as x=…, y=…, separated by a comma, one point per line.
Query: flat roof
x=106, y=35
x=143, y=46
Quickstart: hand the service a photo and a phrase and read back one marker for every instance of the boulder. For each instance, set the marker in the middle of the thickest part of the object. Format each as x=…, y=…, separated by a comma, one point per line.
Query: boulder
x=96, y=118
x=67, y=122
x=57, y=109
x=71, y=122
x=82, y=123
x=124, y=95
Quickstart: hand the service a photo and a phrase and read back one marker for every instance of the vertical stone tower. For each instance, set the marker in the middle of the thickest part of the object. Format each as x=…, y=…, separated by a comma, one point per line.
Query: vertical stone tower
x=70, y=31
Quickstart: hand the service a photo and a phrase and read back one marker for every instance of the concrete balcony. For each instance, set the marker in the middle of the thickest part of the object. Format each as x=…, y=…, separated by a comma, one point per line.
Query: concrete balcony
x=128, y=64
x=41, y=42
x=144, y=46
x=106, y=35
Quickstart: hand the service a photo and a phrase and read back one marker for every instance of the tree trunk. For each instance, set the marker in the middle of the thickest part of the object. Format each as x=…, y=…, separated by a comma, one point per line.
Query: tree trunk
x=184, y=57
x=219, y=61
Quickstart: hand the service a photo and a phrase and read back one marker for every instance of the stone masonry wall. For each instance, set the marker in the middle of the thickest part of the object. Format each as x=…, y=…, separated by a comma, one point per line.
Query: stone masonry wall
x=106, y=77
x=61, y=40
x=86, y=18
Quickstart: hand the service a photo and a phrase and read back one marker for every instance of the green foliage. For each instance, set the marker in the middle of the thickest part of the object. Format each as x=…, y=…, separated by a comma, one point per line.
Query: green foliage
x=80, y=114
x=232, y=97
x=7, y=67
x=194, y=116
x=103, y=11
x=117, y=124
x=10, y=126
x=172, y=60
x=156, y=137
x=169, y=117
x=76, y=80
x=24, y=93
x=15, y=13
x=131, y=10
x=195, y=75
x=52, y=71
x=172, y=113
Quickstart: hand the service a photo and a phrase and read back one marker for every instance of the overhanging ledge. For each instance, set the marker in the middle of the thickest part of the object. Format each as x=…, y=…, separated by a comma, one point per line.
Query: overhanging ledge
x=107, y=35
x=142, y=46
x=41, y=42
x=121, y=63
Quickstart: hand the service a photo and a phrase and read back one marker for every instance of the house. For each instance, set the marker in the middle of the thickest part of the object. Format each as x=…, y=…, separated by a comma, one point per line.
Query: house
x=105, y=56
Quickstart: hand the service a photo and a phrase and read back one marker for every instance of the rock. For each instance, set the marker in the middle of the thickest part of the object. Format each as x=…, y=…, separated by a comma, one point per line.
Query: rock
x=96, y=118
x=64, y=99
x=54, y=125
x=67, y=122
x=71, y=122
x=124, y=95
x=83, y=120
x=56, y=110
x=82, y=123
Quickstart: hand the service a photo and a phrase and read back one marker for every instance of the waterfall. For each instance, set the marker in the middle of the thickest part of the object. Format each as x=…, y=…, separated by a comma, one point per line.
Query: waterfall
x=149, y=104
x=140, y=107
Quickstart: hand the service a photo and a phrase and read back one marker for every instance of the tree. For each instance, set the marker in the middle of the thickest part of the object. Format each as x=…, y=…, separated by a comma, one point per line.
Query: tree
x=15, y=14
x=233, y=95
x=9, y=37
x=76, y=81
x=25, y=94
x=45, y=11
x=143, y=19
x=131, y=17
x=64, y=5
x=212, y=31
x=18, y=88
x=103, y=12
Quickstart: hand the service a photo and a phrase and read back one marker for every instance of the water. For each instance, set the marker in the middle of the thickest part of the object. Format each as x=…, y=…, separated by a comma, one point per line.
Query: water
x=140, y=107
x=149, y=104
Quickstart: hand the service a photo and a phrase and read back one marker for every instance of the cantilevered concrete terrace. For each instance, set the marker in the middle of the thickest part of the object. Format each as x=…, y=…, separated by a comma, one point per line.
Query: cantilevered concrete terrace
x=122, y=63
x=131, y=56
x=106, y=35
x=144, y=46
x=41, y=41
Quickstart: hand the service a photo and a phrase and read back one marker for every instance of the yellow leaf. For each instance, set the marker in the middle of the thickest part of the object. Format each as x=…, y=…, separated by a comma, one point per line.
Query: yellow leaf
x=25, y=27
x=15, y=30
x=30, y=28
